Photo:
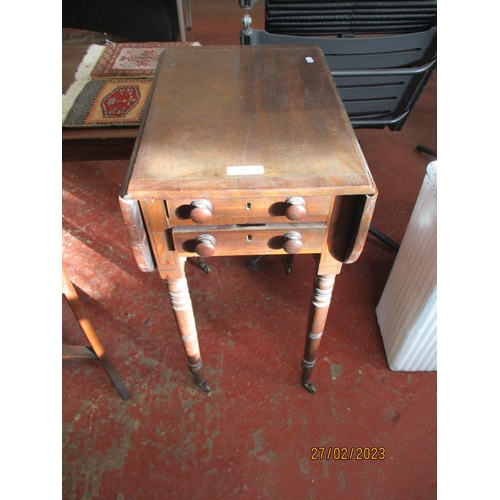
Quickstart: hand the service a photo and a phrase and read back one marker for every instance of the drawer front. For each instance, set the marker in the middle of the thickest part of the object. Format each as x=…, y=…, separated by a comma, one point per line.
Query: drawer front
x=248, y=210
x=249, y=239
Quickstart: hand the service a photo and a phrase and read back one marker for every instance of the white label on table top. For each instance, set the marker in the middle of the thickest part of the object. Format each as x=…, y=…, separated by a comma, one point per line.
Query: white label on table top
x=246, y=170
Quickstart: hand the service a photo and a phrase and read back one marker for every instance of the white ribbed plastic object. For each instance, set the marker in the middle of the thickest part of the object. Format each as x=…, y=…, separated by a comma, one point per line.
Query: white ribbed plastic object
x=407, y=311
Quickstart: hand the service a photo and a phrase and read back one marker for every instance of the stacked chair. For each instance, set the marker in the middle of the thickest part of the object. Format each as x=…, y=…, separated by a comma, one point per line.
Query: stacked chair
x=380, y=53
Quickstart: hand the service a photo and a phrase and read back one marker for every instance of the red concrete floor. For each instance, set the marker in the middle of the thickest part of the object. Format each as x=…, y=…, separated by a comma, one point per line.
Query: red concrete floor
x=251, y=437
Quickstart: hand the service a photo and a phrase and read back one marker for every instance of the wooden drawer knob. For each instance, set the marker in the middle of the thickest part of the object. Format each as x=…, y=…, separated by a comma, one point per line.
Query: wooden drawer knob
x=296, y=208
x=201, y=211
x=205, y=245
x=293, y=242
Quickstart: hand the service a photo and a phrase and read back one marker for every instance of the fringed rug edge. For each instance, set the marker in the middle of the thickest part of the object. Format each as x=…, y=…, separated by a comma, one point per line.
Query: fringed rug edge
x=82, y=76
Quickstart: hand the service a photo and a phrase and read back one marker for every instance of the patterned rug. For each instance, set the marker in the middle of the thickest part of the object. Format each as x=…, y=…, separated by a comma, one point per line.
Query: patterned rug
x=131, y=60
x=112, y=85
x=105, y=103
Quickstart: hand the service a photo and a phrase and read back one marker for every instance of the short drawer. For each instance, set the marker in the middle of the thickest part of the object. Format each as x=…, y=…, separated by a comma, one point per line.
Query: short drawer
x=248, y=210
x=249, y=239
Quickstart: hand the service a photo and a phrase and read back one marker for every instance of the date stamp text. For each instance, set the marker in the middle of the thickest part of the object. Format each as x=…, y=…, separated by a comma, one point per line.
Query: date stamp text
x=347, y=453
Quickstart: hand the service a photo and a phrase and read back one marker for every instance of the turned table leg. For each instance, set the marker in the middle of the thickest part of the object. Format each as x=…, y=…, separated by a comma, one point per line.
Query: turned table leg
x=183, y=310
x=320, y=303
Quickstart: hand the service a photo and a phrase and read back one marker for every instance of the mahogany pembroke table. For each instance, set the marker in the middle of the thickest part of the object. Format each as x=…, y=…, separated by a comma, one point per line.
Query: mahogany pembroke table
x=246, y=151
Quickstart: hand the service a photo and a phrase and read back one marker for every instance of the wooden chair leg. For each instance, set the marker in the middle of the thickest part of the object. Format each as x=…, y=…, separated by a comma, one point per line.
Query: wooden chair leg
x=97, y=349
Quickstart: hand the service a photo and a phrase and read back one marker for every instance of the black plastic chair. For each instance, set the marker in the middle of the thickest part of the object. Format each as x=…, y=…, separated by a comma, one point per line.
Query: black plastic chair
x=381, y=54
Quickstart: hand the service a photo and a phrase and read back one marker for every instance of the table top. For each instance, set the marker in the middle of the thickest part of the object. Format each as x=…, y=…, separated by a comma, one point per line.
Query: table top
x=230, y=119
